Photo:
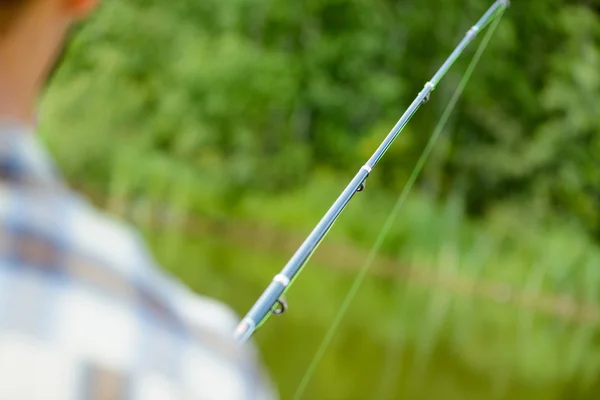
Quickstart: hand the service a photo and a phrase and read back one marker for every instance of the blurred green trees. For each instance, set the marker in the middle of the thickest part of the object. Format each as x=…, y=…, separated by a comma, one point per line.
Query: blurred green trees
x=259, y=111
x=262, y=92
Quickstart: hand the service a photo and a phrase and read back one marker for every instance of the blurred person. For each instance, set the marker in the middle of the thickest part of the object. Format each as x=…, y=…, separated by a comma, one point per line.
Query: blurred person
x=84, y=312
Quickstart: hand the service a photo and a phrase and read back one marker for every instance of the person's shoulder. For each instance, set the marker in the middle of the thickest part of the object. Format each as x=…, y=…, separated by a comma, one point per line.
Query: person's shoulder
x=212, y=321
x=69, y=222
x=79, y=228
x=110, y=249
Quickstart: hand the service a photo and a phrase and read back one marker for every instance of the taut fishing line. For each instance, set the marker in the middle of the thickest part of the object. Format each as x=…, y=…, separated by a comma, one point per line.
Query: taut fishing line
x=388, y=376
x=392, y=216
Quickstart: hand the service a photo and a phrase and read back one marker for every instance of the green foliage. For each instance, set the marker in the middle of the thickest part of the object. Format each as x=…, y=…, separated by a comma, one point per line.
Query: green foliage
x=259, y=111
x=262, y=92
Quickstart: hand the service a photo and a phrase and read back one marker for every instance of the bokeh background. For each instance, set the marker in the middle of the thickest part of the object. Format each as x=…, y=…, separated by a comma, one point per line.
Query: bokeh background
x=225, y=129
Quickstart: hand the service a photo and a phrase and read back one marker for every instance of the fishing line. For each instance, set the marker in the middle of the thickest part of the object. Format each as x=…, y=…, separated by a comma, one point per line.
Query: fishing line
x=387, y=376
x=399, y=203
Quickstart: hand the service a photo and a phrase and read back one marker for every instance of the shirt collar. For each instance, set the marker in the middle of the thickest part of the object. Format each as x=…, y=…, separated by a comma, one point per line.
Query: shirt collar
x=23, y=159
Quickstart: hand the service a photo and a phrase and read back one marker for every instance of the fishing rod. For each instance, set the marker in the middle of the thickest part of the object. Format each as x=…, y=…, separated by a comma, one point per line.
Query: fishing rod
x=272, y=300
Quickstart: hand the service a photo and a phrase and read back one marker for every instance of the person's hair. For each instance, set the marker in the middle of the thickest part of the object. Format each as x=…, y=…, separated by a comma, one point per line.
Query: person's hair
x=9, y=10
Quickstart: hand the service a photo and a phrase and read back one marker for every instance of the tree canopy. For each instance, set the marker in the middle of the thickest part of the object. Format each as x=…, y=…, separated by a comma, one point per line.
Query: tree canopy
x=267, y=91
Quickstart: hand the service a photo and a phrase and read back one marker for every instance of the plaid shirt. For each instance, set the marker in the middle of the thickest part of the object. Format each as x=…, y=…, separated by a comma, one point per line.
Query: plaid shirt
x=85, y=313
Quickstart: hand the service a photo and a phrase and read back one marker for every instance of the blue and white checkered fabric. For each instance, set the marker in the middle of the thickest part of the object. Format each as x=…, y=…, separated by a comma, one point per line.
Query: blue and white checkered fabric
x=84, y=312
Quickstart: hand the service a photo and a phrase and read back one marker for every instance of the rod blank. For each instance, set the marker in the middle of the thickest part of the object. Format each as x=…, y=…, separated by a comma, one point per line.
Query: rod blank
x=272, y=296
